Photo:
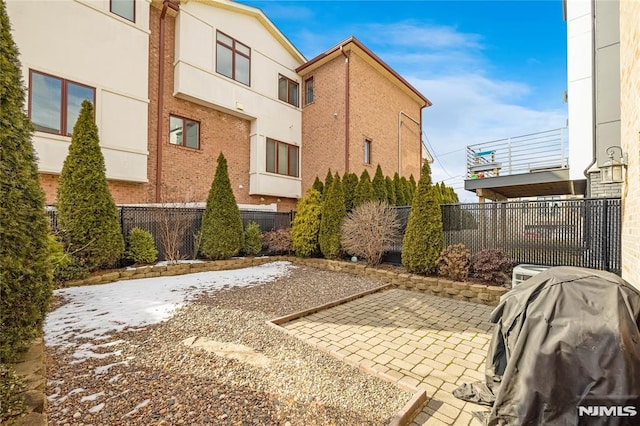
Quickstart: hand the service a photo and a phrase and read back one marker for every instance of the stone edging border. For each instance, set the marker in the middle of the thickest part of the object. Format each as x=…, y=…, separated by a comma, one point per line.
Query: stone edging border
x=406, y=413
x=437, y=286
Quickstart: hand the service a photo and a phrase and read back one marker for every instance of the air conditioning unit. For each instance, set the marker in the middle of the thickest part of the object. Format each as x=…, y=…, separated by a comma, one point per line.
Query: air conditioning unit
x=525, y=271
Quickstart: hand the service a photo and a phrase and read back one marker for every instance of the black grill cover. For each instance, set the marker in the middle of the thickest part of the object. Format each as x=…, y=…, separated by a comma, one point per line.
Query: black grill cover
x=565, y=338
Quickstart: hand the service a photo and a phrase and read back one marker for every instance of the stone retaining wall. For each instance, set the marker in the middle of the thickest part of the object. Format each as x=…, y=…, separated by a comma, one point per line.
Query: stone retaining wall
x=466, y=291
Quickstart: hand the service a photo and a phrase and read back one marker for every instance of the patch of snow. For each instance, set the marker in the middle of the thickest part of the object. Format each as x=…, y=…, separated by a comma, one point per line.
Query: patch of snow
x=92, y=397
x=137, y=408
x=167, y=263
x=71, y=392
x=105, y=368
x=95, y=312
x=96, y=408
x=115, y=378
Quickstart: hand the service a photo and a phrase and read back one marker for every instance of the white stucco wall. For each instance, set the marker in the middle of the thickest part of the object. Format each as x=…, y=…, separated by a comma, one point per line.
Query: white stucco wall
x=84, y=42
x=580, y=86
x=196, y=79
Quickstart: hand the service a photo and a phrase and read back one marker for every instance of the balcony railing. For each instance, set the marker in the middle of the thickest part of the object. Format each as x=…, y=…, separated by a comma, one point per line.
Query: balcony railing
x=536, y=152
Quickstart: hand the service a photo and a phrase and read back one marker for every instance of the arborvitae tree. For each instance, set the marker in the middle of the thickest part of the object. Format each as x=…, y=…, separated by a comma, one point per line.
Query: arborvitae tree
x=349, y=184
x=306, y=224
x=333, y=212
x=391, y=191
x=327, y=184
x=413, y=183
x=423, y=239
x=87, y=214
x=252, y=244
x=400, y=193
x=222, y=233
x=25, y=270
x=318, y=185
x=406, y=190
x=379, y=185
x=364, y=190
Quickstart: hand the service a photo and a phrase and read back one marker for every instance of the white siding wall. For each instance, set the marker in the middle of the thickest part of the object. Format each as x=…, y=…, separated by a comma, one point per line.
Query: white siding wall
x=196, y=79
x=580, y=86
x=84, y=42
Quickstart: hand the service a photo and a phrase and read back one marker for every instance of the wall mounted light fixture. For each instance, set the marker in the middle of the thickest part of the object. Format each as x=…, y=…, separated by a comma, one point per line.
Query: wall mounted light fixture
x=613, y=170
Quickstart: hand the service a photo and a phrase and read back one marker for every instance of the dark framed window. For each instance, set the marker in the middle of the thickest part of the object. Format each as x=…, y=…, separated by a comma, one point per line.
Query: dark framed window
x=54, y=103
x=124, y=8
x=233, y=59
x=184, y=132
x=308, y=91
x=283, y=158
x=367, y=151
x=288, y=90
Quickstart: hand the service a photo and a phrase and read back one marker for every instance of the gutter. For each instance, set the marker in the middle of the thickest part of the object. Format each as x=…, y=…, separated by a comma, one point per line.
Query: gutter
x=346, y=110
x=166, y=4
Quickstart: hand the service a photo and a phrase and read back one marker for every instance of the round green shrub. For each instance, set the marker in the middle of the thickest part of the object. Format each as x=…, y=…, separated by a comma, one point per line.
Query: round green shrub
x=252, y=239
x=142, y=248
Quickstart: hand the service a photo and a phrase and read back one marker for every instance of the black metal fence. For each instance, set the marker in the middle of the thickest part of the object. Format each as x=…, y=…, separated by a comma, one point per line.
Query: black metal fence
x=584, y=232
x=179, y=225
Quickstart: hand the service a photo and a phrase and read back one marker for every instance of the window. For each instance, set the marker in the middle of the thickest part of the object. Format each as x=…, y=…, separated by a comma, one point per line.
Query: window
x=308, y=91
x=184, y=132
x=124, y=8
x=54, y=103
x=282, y=158
x=288, y=90
x=233, y=59
x=367, y=151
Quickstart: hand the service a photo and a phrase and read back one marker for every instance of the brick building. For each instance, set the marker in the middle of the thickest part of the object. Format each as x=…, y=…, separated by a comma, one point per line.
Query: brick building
x=177, y=83
x=358, y=113
x=630, y=138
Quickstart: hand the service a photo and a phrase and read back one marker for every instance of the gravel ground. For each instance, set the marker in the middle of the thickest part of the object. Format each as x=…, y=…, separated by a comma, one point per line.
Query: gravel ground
x=149, y=377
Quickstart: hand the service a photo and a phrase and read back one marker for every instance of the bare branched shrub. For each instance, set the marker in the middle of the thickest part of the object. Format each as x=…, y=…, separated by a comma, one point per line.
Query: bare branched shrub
x=454, y=262
x=278, y=241
x=173, y=224
x=369, y=229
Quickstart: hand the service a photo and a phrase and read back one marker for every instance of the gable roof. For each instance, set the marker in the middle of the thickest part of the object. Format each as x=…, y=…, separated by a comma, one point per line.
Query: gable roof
x=260, y=16
x=355, y=45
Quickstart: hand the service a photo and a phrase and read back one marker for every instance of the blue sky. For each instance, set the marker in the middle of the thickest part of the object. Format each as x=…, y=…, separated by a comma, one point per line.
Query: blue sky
x=493, y=69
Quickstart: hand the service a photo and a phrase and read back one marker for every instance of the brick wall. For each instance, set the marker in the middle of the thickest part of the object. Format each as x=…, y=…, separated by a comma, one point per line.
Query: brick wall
x=373, y=113
x=187, y=173
x=323, y=123
x=603, y=190
x=630, y=137
x=375, y=105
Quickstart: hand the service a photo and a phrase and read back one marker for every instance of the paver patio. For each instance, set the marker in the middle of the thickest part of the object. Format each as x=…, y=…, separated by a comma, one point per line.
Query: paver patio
x=429, y=342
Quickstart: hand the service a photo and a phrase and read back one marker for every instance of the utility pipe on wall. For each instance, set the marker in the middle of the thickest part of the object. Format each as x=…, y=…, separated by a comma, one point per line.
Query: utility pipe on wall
x=346, y=110
x=400, y=114
x=174, y=6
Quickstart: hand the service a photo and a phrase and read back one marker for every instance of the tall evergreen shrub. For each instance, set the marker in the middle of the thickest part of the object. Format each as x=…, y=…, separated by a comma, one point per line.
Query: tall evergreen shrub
x=364, y=190
x=327, y=184
x=25, y=269
x=333, y=212
x=87, y=214
x=318, y=185
x=379, y=185
x=306, y=224
x=349, y=183
x=423, y=239
x=222, y=233
x=391, y=191
x=399, y=191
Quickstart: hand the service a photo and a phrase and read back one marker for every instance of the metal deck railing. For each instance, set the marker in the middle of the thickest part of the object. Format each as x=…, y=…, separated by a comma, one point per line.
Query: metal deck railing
x=531, y=153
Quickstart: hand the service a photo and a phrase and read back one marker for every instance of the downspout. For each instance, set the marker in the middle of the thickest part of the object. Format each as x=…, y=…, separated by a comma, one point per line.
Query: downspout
x=346, y=111
x=165, y=5
x=593, y=99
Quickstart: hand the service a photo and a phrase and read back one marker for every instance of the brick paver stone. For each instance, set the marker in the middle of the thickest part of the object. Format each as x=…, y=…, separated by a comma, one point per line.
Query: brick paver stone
x=426, y=341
